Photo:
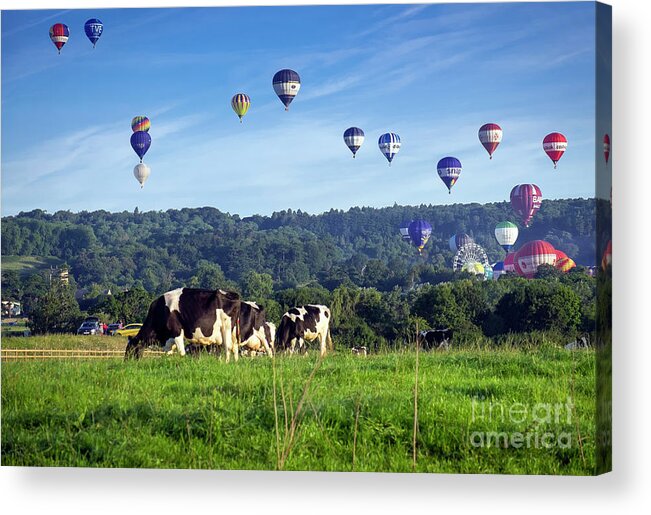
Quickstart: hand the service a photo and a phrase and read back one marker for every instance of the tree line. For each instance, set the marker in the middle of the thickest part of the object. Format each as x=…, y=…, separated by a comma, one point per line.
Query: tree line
x=378, y=287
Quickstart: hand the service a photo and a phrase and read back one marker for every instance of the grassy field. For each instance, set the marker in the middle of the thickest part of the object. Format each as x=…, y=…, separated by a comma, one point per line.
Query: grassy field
x=355, y=413
x=25, y=265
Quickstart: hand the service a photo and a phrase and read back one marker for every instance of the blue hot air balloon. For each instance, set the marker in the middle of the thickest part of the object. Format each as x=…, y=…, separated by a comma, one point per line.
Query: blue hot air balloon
x=286, y=84
x=354, y=137
x=140, y=142
x=419, y=232
x=389, y=144
x=93, y=29
x=449, y=169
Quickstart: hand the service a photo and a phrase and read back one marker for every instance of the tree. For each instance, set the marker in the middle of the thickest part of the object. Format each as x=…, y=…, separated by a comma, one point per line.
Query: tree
x=540, y=305
x=129, y=306
x=56, y=311
x=257, y=286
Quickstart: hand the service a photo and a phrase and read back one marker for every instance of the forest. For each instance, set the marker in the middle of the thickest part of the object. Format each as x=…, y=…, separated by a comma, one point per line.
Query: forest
x=353, y=260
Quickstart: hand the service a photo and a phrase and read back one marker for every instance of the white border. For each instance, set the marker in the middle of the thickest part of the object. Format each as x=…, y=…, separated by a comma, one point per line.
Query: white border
x=627, y=490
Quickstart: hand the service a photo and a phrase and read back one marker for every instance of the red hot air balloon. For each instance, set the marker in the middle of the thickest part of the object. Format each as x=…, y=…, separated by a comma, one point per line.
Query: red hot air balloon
x=560, y=255
x=555, y=144
x=607, y=258
x=490, y=136
x=533, y=254
x=509, y=265
x=606, y=147
x=59, y=35
x=526, y=200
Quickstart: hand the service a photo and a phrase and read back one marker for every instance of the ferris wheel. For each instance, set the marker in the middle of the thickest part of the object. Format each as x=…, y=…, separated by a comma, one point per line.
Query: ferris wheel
x=471, y=257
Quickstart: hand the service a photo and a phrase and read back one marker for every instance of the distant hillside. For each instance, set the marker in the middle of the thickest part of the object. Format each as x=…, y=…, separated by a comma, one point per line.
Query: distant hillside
x=158, y=250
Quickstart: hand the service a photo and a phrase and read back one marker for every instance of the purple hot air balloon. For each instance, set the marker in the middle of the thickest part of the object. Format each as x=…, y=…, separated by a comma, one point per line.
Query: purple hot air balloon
x=140, y=142
x=419, y=232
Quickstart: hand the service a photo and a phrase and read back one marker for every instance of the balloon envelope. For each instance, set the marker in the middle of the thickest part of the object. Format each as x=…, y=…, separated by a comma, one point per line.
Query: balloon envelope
x=286, y=84
x=490, y=136
x=404, y=230
x=565, y=264
x=141, y=172
x=533, y=254
x=59, y=35
x=140, y=123
x=526, y=199
x=93, y=29
x=606, y=147
x=506, y=234
x=509, y=262
x=240, y=104
x=140, y=142
x=459, y=240
x=389, y=145
x=354, y=138
x=419, y=233
x=555, y=144
x=449, y=169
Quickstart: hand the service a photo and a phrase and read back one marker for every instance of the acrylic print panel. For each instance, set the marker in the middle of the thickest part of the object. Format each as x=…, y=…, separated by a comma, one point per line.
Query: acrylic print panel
x=371, y=238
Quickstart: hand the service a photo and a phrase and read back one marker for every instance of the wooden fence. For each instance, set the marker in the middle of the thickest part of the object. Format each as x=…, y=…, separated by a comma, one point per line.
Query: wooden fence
x=44, y=354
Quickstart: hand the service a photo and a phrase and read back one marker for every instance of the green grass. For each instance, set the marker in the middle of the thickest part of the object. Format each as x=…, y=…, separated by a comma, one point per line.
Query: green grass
x=172, y=412
x=27, y=265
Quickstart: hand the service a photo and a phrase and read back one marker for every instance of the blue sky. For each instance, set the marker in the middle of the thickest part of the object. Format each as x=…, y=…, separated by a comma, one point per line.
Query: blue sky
x=431, y=73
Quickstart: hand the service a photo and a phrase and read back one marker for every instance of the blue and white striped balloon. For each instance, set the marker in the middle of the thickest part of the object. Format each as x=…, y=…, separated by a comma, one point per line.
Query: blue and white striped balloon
x=389, y=144
x=354, y=137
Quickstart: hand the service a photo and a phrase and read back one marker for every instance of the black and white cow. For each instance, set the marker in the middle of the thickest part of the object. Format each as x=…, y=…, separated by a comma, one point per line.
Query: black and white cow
x=256, y=334
x=199, y=316
x=301, y=324
x=435, y=339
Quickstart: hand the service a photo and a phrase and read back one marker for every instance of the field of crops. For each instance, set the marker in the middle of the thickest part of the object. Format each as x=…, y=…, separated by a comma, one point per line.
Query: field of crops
x=342, y=413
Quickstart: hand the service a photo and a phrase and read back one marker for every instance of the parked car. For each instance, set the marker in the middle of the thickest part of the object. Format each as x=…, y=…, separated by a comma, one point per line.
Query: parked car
x=112, y=329
x=89, y=328
x=129, y=330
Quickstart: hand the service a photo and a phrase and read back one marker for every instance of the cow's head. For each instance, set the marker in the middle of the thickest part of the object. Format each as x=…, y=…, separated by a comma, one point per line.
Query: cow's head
x=134, y=348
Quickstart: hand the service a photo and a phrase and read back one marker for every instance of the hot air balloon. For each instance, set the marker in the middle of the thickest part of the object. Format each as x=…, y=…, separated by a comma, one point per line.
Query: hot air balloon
x=140, y=123
x=389, y=144
x=509, y=262
x=490, y=136
x=459, y=240
x=473, y=267
x=141, y=172
x=533, y=254
x=140, y=142
x=606, y=147
x=449, y=169
x=560, y=255
x=607, y=258
x=286, y=84
x=498, y=269
x=240, y=104
x=354, y=137
x=93, y=29
x=419, y=233
x=555, y=144
x=59, y=35
x=404, y=230
x=506, y=234
x=526, y=200
x=565, y=264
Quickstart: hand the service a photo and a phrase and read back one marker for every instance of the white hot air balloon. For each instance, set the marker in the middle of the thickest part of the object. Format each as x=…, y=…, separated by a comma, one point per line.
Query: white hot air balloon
x=141, y=172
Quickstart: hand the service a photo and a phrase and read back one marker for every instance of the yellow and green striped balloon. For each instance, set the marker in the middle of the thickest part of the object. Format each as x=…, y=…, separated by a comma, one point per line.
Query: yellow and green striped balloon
x=240, y=103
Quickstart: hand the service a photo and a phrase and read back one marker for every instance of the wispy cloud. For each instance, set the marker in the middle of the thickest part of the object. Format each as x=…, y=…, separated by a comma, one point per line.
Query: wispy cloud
x=35, y=23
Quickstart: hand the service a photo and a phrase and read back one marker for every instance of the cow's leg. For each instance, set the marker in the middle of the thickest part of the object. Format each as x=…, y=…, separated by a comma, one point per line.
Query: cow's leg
x=267, y=347
x=178, y=342
x=322, y=341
